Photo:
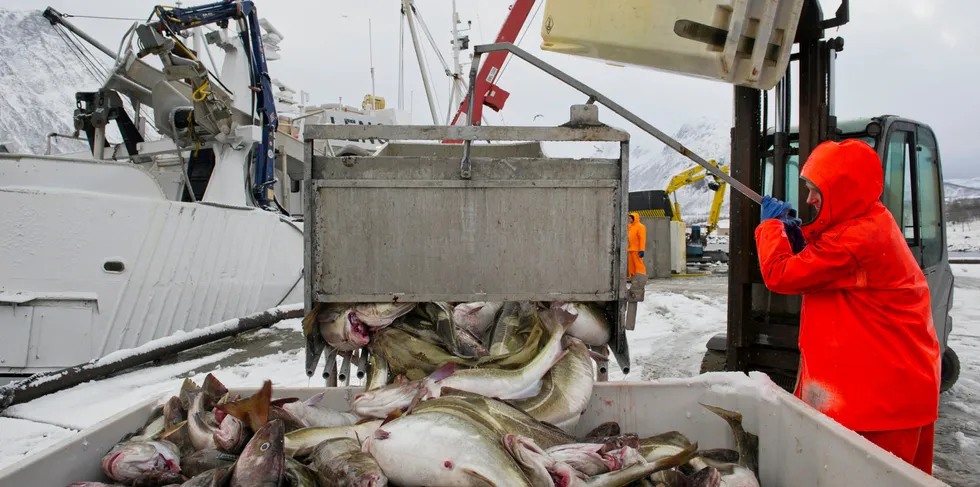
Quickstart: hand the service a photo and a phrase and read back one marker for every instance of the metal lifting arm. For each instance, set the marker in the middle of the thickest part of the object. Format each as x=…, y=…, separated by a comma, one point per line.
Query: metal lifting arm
x=594, y=96
x=716, y=203
x=177, y=19
x=485, y=92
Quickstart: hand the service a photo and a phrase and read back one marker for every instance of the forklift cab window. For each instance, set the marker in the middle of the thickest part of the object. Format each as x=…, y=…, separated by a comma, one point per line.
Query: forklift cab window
x=930, y=211
x=913, y=193
x=898, y=183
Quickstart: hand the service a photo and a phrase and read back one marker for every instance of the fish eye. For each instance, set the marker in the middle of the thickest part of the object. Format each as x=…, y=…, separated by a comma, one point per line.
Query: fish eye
x=264, y=446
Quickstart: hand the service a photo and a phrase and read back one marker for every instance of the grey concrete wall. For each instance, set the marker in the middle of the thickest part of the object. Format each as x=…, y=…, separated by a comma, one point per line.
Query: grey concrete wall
x=657, y=255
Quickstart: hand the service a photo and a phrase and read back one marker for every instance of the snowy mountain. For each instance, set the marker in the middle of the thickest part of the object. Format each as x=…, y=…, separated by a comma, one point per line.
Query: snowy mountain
x=653, y=169
x=39, y=75
x=962, y=189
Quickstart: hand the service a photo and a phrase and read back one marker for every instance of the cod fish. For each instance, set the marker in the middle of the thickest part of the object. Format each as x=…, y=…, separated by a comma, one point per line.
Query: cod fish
x=340, y=462
x=379, y=403
x=510, y=384
x=379, y=315
x=299, y=475
x=591, y=325
x=533, y=459
x=741, y=474
x=377, y=372
x=477, y=317
x=155, y=425
x=158, y=478
x=204, y=460
x=436, y=448
x=707, y=477
x=300, y=443
x=343, y=330
x=180, y=436
x=498, y=416
x=314, y=413
x=232, y=435
x=217, y=477
x=672, y=478
x=565, y=391
x=128, y=460
x=502, y=337
x=609, y=428
x=263, y=460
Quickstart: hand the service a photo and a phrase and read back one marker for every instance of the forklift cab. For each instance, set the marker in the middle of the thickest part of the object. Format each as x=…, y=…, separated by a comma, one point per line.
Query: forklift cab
x=913, y=193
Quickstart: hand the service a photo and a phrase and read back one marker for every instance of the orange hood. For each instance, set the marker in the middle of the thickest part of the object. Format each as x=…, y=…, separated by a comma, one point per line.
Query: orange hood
x=850, y=179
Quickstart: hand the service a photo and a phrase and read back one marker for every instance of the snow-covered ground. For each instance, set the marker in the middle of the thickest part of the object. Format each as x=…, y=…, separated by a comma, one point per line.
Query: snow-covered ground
x=673, y=324
x=963, y=237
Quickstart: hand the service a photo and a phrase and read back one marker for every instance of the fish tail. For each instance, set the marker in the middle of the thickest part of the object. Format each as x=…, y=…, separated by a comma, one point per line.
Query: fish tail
x=253, y=411
x=677, y=460
x=732, y=417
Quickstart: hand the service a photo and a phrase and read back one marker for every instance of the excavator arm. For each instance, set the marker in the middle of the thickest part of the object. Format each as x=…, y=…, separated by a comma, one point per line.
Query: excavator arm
x=691, y=176
x=716, y=203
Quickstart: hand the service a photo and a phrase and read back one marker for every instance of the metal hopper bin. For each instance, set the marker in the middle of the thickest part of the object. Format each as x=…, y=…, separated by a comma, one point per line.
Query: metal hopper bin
x=498, y=221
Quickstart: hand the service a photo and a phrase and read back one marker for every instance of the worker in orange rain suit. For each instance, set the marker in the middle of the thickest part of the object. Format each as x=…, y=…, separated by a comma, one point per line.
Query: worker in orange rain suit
x=869, y=354
x=637, y=233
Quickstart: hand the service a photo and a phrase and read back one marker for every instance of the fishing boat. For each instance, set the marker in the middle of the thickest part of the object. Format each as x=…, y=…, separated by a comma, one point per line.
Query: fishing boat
x=133, y=241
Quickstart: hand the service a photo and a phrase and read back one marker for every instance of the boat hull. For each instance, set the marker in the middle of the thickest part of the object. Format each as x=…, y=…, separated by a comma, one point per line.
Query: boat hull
x=105, y=264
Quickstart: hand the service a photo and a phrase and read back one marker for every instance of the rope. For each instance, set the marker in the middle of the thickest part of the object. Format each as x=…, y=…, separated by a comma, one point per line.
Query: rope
x=527, y=27
x=77, y=54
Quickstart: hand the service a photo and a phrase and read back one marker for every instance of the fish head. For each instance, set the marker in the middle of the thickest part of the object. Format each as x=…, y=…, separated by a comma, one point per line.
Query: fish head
x=623, y=457
x=527, y=453
x=128, y=460
x=706, y=477
x=370, y=479
x=231, y=435
x=345, y=332
x=173, y=412
x=380, y=402
x=381, y=314
x=263, y=460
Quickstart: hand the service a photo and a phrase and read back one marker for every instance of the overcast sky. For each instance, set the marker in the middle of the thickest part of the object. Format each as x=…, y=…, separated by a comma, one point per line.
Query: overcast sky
x=915, y=58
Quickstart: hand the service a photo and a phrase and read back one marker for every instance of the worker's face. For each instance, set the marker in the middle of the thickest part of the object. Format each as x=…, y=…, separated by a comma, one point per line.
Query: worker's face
x=814, y=199
x=631, y=218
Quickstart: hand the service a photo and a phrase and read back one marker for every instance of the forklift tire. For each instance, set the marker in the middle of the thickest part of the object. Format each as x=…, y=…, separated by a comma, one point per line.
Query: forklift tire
x=713, y=361
x=950, y=370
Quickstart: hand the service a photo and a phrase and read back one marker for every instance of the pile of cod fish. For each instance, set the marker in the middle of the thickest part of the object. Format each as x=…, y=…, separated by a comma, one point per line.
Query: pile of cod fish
x=494, y=406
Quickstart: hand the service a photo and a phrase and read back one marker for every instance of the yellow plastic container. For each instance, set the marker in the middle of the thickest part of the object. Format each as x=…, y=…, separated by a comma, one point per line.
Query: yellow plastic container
x=712, y=39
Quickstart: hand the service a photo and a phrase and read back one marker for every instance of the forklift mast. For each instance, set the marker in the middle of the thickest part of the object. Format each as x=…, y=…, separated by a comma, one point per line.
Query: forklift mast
x=763, y=327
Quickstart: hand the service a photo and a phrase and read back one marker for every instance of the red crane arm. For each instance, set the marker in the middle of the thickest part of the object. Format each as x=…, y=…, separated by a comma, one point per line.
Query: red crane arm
x=486, y=93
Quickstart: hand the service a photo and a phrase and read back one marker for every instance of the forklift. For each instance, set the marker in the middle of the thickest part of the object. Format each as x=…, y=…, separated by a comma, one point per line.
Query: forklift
x=763, y=327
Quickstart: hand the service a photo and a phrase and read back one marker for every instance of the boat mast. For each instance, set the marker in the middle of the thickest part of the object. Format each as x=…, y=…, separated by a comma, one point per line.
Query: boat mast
x=409, y=12
x=460, y=42
x=401, y=60
x=371, y=60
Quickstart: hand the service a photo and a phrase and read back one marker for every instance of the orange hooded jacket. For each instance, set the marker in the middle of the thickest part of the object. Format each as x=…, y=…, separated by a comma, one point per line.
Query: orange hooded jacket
x=637, y=234
x=869, y=353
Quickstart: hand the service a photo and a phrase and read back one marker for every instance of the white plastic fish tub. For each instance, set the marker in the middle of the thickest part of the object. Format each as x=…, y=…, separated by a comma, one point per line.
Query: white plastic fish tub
x=797, y=445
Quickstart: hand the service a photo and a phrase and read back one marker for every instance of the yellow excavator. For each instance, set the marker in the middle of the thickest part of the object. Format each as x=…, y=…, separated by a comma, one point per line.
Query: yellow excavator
x=697, y=241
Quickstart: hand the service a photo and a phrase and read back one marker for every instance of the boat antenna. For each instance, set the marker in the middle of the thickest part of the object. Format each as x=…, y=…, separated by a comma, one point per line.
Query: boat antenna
x=371, y=58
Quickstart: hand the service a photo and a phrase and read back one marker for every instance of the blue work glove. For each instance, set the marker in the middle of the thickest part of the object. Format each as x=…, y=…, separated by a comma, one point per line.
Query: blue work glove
x=773, y=208
x=793, y=231
x=641, y=254
x=784, y=212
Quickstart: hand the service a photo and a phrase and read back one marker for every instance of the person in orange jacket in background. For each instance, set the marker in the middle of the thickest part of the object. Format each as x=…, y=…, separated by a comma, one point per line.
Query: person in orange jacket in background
x=637, y=233
x=869, y=357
